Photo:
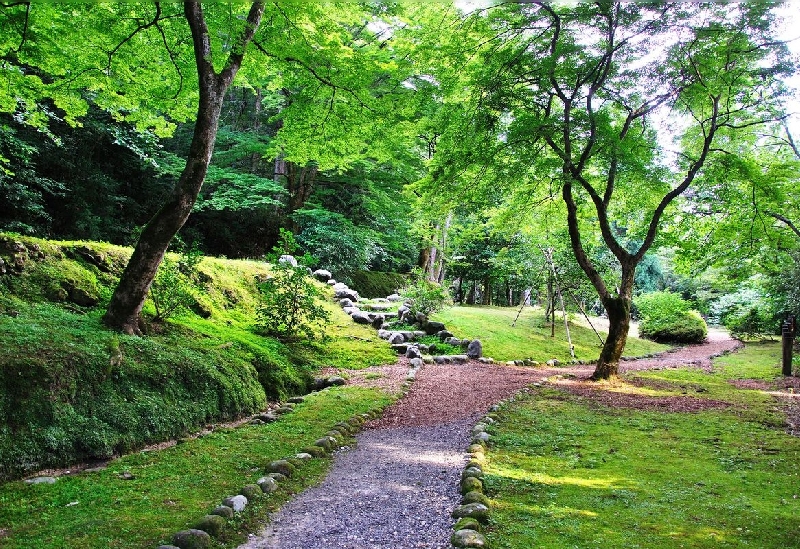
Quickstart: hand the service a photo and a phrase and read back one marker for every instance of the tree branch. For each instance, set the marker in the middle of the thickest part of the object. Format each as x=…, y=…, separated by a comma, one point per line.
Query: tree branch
x=785, y=220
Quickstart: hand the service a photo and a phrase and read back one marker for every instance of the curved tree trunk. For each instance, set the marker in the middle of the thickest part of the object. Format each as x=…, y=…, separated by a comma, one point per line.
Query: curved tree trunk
x=124, y=310
x=619, y=320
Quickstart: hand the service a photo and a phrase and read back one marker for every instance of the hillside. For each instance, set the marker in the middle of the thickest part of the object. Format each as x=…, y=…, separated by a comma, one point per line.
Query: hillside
x=71, y=390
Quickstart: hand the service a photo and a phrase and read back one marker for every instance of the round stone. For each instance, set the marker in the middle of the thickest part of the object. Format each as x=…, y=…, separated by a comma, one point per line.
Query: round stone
x=251, y=491
x=213, y=524
x=267, y=484
x=471, y=483
x=468, y=539
x=224, y=511
x=237, y=503
x=478, y=511
x=192, y=539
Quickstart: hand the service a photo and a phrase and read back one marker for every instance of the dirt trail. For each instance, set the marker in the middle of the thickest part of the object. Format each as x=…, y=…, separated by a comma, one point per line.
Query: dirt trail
x=397, y=487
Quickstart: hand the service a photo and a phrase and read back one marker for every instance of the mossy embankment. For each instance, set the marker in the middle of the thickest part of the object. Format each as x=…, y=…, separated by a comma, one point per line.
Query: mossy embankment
x=72, y=390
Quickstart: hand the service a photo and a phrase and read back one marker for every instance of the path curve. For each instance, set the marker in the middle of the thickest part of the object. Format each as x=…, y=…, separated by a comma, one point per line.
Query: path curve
x=396, y=488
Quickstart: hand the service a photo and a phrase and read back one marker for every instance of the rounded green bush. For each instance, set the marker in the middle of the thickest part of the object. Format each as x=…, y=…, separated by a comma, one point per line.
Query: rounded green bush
x=683, y=327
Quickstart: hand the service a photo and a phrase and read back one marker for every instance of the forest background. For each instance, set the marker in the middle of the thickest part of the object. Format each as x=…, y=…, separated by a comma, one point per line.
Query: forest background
x=391, y=137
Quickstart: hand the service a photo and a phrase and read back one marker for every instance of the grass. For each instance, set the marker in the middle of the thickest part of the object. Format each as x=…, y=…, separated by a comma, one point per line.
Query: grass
x=175, y=487
x=530, y=338
x=563, y=472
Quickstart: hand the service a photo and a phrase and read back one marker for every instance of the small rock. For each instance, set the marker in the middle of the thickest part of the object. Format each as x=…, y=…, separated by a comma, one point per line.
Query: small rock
x=415, y=363
x=475, y=497
x=213, y=524
x=281, y=466
x=304, y=456
x=297, y=400
x=251, y=491
x=127, y=475
x=468, y=539
x=224, y=511
x=322, y=275
x=267, y=484
x=475, y=349
x=192, y=539
x=478, y=511
x=444, y=334
x=471, y=484
x=413, y=352
x=237, y=503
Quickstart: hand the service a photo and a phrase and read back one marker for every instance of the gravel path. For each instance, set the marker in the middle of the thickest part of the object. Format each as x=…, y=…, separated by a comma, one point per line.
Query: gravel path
x=397, y=487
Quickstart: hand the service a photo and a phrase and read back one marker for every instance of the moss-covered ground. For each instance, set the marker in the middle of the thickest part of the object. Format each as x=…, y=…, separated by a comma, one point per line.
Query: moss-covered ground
x=565, y=471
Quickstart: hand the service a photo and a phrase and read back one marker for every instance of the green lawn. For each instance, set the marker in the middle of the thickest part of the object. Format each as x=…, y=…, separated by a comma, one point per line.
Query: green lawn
x=563, y=472
x=173, y=488
x=530, y=338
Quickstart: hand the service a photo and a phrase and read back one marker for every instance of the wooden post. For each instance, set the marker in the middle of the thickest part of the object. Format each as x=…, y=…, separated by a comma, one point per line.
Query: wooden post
x=788, y=332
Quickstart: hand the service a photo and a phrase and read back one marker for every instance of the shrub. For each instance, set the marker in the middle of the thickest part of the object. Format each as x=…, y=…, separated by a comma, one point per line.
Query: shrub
x=172, y=291
x=666, y=317
x=426, y=297
x=290, y=307
x=745, y=313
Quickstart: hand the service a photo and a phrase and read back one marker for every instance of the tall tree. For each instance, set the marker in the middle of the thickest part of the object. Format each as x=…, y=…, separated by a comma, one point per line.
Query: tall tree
x=587, y=95
x=154, y=64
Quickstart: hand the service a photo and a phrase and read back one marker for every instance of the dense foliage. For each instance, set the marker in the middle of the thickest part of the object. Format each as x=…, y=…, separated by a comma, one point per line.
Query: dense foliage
x=667, y=317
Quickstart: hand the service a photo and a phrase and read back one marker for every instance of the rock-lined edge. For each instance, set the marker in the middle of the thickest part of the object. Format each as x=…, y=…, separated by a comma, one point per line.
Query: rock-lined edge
x=212, y=525
x=473, y=512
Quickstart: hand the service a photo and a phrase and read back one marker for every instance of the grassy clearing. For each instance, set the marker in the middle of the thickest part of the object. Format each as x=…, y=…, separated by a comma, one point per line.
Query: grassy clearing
x=530, y=338
x=173, y=488
x=563, y=472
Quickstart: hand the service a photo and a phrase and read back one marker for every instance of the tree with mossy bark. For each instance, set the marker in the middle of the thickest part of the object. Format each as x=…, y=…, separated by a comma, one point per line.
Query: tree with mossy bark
x=617, y=107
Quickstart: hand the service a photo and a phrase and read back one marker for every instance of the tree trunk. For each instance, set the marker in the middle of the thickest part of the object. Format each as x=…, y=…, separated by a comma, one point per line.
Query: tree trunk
x=124, y=309
x=619, y=320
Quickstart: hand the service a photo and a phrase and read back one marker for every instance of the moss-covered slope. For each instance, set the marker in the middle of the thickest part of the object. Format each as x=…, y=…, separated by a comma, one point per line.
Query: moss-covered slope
x=72, y=390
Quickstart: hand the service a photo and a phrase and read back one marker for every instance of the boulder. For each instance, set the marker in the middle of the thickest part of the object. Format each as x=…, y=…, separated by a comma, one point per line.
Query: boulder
x=554, y=363
x=287, y=260
x=213, y=524
x=421, y=318
x=251, y=491
x=460, y=359
x=478, y=511
x=351, y=310
x=475, y=349
x=396, y=338
x=224, y=511
x=385, y=334
x=192, y=539
x=347, y=293
x=344, y=303
x=444, y=334
x=335, y=381
x=402, y=312
x=377, y=321
x=472, y=472
x=322, y=275
x=465, y=539
x=361, y=317
x=431, y=327
x=467, y=523
x=394, y=298
x=475, y=497
x=470, y=484
x=237, y=503
x=400, y=348
x=415, y=363
x=413, y=352
x=281, y=466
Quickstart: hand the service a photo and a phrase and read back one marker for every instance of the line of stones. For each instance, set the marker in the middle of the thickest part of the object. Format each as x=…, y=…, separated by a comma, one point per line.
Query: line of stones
x=473, y=512
x=200, y=535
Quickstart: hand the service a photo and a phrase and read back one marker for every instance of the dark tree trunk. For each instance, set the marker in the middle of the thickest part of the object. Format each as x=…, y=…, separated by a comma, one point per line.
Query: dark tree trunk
x=299, y=184
x=619, y=315
x=126, y=304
